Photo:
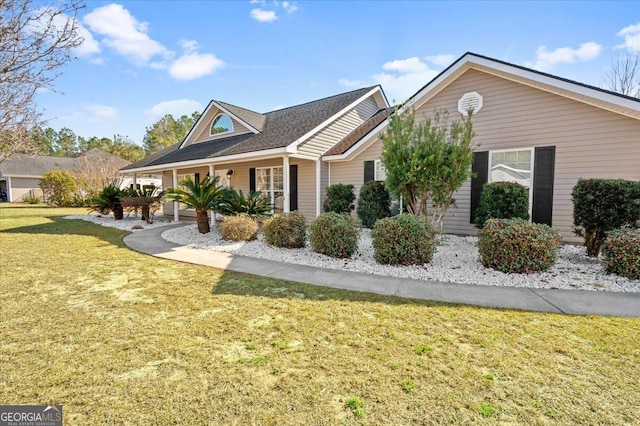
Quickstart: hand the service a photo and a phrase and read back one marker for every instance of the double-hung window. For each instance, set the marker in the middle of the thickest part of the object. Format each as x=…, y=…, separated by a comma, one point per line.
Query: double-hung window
x=270, y=181
x=514, y=165
x=380, y=173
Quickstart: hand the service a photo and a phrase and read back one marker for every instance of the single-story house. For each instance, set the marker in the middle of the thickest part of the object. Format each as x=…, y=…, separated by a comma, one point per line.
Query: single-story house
x=534, y=128
x=20, y=174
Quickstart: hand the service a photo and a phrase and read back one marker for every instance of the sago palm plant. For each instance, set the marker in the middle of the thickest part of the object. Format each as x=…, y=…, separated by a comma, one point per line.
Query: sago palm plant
x=202, y=195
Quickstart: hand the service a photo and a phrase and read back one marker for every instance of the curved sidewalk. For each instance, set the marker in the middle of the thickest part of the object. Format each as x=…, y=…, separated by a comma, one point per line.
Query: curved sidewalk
x=544, y=300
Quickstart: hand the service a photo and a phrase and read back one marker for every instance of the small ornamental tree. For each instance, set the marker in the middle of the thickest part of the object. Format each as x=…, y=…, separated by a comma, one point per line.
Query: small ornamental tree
x=58, y=187
x=427, y=161
x=201, y=195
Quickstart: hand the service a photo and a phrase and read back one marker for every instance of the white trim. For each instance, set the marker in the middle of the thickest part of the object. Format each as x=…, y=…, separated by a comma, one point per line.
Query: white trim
x=24, y=176
x=304, y=157
x=204, y=114
x=176, y=213
x=292, y=147
x=286, y=203
x=235, y=158
x=375, y=171
x=362, y=144
x=531, y=176
x=469, y=59
x=272, y=191
x=225, y=132
x=318, y=187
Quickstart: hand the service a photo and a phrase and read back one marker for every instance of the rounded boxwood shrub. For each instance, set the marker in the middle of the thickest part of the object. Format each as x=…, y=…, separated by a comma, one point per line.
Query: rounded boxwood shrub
x=602, y=205
x=373, y=203
x=333, y=235
x=502, y=200
x=621, y=252
x=339, y=198
x=516, y=245
x=239, y=228
x=287, y=230
x=403, y=240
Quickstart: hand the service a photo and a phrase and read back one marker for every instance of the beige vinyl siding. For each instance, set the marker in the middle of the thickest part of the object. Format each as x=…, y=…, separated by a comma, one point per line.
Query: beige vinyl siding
x=306, y=187
x=24, y=186
x=326, y=138
x=590, y=142
x=353, y=171
x=204, y=135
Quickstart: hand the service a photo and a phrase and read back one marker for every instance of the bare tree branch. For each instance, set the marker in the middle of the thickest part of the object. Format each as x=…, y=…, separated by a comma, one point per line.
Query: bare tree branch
x=36, y=40
x=624, y=74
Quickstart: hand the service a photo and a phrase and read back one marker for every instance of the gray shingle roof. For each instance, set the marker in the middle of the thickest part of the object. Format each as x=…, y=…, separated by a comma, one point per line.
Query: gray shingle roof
x=37, y=165
x=254, y=119
x=359, y=132
x=281, y=128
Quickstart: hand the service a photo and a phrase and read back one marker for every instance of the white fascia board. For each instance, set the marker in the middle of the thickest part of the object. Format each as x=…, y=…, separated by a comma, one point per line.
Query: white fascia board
x=294, y=144
x=244, y=123
x=304, y=157
x=24, y=176
x=470, y=59
x=554, y=82
x=363, y=143
x=221, y=108
x=197, y=124
x=236, y=158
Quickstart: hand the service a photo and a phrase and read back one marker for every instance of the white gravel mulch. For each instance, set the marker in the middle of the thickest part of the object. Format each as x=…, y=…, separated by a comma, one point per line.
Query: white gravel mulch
x=130, y=222
x=456, y=260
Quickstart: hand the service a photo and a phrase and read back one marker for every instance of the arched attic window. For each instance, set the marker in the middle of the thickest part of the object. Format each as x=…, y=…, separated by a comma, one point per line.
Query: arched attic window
x=221, y=124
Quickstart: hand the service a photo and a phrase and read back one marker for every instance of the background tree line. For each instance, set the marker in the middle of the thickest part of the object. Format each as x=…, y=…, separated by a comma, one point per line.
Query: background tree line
x=65, y=143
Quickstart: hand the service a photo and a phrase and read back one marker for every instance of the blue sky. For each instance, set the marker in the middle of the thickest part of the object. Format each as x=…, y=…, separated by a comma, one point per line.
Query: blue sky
x=142, y=59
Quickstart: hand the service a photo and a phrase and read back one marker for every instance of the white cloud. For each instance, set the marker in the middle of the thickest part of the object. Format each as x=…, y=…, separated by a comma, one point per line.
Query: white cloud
x=546, y=59
x=189, y=45
x=59, y=21
x=194, y=65
x=352, y=83
x=262, y=3
x=406, y=77
x=124, y=34
x=441, y=59
x=176, y=107
x=631, y=36
x=101, y=112
x=262, y=15
x=289, y=7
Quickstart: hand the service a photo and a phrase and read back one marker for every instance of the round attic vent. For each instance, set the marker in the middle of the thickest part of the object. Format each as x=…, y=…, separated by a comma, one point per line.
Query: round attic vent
x=471, y=100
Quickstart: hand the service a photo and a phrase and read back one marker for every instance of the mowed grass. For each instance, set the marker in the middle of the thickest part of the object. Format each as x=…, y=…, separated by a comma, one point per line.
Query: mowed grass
x=118, y=337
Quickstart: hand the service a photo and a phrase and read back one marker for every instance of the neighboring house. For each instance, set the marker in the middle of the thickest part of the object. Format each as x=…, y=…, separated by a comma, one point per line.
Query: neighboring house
x=534, y=128
x=20, y=174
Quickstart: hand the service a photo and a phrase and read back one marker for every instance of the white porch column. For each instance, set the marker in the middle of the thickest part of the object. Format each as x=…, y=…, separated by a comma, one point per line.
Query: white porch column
x=211, y=176
x=285, y=182
x=318, y=187
x=135, y=181
x=9, y=196
x=176, y=215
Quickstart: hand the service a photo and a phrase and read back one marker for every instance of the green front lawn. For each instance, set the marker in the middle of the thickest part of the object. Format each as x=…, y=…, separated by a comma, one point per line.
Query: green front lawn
x=119, y=337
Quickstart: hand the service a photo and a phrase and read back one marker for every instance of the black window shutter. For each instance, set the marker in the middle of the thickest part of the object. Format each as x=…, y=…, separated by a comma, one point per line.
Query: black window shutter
x=197, y=178
x=543, y=173
x=293, y=187
x=369, y=171
x=252, y=179
x=480, y=169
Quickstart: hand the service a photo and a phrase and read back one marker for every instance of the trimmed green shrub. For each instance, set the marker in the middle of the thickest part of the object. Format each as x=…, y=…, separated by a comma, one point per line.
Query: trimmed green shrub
x=621, y=252
x=403, y=240
x=374, y=203
x=334, y=235
x=241, y=227
x=602, y=205
x=502, y=200
x=287, y=230
x=339, y=198
x=31, y=198
x=58, y=187
x=516, y=245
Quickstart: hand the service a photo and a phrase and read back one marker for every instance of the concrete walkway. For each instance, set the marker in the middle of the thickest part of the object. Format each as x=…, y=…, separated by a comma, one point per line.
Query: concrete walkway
x=556, y=301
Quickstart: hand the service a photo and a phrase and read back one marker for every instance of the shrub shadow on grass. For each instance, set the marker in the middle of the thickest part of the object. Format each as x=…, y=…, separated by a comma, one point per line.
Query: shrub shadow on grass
x=241, y=284
x=57, y=225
